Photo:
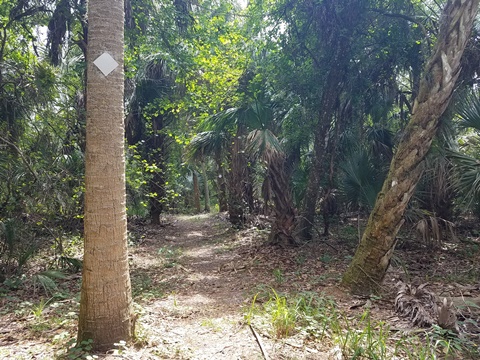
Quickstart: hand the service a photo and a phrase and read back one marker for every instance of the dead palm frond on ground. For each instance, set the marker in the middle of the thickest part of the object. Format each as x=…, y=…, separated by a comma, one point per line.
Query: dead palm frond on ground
x=416, y=303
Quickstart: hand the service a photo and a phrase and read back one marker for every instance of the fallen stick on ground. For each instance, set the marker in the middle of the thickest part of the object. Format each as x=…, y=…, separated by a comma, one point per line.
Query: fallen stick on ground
x=260, y=344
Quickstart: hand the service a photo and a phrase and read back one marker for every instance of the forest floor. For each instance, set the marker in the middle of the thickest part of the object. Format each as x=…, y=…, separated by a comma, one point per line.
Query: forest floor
x=205, y=291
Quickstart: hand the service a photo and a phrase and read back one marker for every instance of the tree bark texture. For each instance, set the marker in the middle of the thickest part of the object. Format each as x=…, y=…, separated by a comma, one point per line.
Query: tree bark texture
x=237, y=181
x=221, y=185
x=284, y=224
x=372, y=258
x=106, y=304
x=205, y=187
x=196, y=192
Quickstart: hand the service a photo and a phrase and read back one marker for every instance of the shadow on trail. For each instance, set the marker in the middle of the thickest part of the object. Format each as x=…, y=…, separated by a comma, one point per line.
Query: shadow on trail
x=198, y=262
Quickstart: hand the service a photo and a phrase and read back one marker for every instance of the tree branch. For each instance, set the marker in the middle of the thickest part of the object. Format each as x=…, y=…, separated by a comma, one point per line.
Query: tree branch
x=404, y=17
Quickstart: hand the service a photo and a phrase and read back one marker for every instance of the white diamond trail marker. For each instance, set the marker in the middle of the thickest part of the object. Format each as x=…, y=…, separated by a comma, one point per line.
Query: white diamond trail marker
x=106, y=63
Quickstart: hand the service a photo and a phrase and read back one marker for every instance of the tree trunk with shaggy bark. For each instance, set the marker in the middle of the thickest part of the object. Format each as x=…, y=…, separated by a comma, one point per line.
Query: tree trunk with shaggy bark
x=284, y=223
x=372, y=258
x=237, y=181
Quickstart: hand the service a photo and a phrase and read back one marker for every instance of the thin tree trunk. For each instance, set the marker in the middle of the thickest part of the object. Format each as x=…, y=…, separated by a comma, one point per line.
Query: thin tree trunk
x=106, y=303
x=329, y=203
x=196, y=192
x=284, y=224
x=156, y=154
x=236, y=181
x=372, y=258
x=307, y=219
x=331, y=91
x=221, y=186
x=205, y=187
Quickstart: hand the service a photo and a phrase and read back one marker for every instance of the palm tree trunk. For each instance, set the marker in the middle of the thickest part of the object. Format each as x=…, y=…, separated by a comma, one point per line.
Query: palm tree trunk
x=206, y=189
x=221, y=186
x=196, y=192
x=236, y=181
x=106, y=303
x=284, y=224
x=372, y=258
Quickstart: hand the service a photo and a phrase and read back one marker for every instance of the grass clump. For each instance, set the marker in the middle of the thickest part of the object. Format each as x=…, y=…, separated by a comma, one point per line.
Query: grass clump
x=305, y=313
x=317, y=319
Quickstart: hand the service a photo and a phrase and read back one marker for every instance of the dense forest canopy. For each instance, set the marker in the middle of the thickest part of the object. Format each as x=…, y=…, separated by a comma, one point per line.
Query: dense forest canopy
x=281, y=114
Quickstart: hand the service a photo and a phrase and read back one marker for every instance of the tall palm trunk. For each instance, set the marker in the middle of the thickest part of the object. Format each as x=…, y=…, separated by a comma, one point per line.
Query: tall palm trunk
x=106, y=304
x=237, y=180
x=284, y=224
x=205, y=187
x=196, y=192
x=221, y=186
x=372, y=258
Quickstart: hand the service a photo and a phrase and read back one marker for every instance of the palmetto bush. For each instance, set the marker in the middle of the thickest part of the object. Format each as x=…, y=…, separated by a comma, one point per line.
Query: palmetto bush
x=360, y=182
x=466, y=160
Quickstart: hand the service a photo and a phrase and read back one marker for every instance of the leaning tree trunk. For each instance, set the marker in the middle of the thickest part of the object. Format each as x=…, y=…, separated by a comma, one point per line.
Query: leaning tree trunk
x=106, y=302
x=372, y=258
x=284, y=223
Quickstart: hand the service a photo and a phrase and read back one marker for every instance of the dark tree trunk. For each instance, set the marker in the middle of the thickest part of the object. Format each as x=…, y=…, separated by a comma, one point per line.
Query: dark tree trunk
x=329, y=202
x=196, y=192
x=305, y=223
x=237, y=181
x=372, y=258
x=284, y=224
x=338, y=24
x=205, y=187
x=221, y=186
x=328, y=104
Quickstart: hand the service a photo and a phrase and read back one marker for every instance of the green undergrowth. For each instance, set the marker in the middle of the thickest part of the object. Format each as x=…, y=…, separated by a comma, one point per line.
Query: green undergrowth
x=170, y=256
x=317, y=319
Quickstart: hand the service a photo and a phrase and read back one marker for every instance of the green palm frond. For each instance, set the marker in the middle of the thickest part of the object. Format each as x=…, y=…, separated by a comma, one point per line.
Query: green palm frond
x=223, y=120
x=469, y=113
x=257, y=113
x=262, y=143
x=359, y=185
x=206, y=143
x=381, y=142
x=261, y=115
x=468, y=169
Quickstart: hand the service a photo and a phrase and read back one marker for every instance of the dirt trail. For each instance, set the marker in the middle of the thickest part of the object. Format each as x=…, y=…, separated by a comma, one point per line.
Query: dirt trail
x=193, y=281
x=201, y=318
x=209, y=280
